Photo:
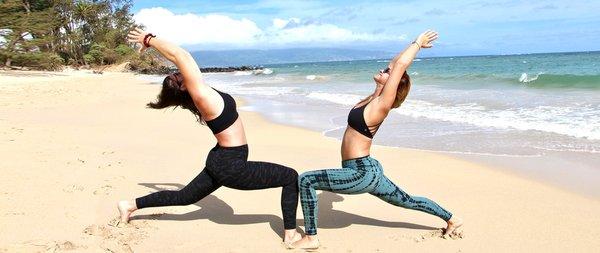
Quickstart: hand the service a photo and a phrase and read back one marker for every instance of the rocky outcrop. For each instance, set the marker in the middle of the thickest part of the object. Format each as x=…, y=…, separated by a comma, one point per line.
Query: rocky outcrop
x=230, y=69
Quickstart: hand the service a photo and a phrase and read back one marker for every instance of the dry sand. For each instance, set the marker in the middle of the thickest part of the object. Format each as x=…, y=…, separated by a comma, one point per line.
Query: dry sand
x=73, y=144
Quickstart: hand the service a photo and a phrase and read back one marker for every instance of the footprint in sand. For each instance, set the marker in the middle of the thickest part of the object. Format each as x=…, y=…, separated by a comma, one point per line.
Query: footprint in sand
x=14, y=213
x=117, y=236
x=60, y=246
x=439, y=233
x=116, y=247
x=42, y=246
x=104, y=190
x=401, y=237
x=73, y=188
x=96, y=230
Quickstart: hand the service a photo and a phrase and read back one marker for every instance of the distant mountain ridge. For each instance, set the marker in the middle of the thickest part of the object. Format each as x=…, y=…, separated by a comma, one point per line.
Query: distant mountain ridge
x=277, y=56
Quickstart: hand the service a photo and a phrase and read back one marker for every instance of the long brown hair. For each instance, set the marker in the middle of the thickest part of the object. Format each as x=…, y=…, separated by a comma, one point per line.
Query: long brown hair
x=403, y=89
x=401, y=92
x=173, y=94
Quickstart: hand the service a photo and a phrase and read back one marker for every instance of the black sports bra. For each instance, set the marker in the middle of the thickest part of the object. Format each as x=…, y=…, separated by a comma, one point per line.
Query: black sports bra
x=356, y=120
x=227, y=117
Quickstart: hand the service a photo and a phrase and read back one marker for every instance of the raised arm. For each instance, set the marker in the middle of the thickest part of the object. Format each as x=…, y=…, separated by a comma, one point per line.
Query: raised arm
x=175, y=54
x=399, y=64
x=395, y=59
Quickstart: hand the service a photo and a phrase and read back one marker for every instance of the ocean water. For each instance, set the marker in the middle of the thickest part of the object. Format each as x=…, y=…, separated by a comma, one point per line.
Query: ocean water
x=540, y=108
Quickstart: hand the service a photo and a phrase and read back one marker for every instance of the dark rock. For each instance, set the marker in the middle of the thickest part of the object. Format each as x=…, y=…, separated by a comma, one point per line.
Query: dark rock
x=230, y=69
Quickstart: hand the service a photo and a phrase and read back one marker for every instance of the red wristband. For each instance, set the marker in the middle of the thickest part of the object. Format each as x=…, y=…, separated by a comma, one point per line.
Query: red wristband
x=147, y=39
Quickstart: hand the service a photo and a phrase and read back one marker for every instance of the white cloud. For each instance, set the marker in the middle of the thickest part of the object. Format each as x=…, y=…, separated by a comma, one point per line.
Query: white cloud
x=190, y=29
x=295, y=31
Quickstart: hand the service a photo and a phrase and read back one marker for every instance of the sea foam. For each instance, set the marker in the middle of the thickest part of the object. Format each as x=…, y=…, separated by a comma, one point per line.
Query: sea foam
x=580, y=122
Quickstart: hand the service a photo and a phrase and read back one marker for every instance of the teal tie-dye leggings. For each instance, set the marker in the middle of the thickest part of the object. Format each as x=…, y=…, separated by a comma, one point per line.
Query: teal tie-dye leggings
x=360, y=175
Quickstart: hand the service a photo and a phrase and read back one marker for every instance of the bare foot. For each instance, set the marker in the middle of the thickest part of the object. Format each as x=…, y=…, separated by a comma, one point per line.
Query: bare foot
x=291, y=236
x=453, y=224
x=309, y=242
x=126, y=207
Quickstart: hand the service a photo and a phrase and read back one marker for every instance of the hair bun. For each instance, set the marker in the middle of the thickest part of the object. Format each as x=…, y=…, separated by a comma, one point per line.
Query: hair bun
x=176, y=79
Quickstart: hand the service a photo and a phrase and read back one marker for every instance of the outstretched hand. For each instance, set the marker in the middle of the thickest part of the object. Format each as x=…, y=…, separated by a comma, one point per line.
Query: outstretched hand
x=425, y=40
x=137, y=36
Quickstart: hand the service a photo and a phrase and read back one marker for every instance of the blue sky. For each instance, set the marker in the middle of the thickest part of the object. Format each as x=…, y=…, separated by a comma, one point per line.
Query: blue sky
x=465, y=27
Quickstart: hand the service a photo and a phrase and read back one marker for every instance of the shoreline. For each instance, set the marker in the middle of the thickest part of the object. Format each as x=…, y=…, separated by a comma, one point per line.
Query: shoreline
x=477, y=159
x=100, y=145
x=580, y=180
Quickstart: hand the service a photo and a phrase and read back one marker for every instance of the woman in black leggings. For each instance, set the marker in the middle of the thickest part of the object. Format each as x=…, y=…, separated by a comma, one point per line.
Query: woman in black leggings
x=227, y=163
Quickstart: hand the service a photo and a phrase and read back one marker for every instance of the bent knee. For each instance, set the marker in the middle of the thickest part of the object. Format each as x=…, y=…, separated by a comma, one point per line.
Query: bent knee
x=289, y=177
x=305, y=180
x=294, y=174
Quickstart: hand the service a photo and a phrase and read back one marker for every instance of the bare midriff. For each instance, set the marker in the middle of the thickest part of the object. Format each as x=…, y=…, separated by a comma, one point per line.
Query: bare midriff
x=233, y=136
x=355, y=145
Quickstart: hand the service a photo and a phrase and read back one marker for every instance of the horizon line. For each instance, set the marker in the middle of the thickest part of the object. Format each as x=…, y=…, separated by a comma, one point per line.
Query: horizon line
x=428, y=57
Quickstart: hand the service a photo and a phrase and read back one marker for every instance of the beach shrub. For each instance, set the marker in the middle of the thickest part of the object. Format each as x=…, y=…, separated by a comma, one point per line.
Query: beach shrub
x=51, y=61
x=124, y=50
x=110, y=56
x=148, y=63
x=88, y=58
x=97, y=52
x=40, y=61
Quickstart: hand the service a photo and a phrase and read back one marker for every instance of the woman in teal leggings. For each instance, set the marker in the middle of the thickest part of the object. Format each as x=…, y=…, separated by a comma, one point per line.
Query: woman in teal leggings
x=360, y=173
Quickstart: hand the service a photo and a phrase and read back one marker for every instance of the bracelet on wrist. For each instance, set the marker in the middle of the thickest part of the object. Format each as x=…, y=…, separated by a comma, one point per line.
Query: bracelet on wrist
x=417, y=43
x=147, y=39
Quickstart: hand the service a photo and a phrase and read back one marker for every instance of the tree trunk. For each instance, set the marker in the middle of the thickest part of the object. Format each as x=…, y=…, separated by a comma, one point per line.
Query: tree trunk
x=10, y=47
x=27, y=6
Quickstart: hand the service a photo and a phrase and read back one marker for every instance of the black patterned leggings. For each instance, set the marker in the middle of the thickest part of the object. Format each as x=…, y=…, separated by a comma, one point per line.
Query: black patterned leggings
x=229, y=166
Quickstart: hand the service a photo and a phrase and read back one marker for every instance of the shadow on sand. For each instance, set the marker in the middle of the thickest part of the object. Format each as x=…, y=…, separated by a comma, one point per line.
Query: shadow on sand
x=216, y=210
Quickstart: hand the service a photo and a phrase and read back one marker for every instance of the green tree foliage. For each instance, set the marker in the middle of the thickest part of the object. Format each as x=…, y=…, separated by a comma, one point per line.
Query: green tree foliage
x=45, y=34
x=149, y=63
x=38, y=60
x=24, y=27
x=124, y=50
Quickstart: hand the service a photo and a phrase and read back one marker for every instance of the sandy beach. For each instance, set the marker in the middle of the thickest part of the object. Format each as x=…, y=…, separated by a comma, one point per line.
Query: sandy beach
x=73, y=144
